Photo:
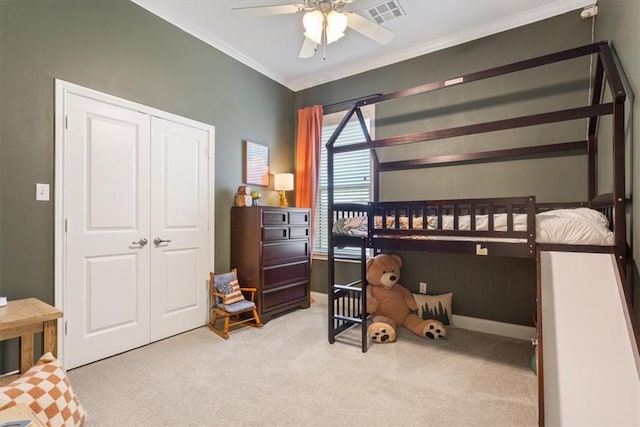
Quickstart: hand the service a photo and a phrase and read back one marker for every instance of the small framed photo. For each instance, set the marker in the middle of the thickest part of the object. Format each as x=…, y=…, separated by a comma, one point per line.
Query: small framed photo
x=256, y=164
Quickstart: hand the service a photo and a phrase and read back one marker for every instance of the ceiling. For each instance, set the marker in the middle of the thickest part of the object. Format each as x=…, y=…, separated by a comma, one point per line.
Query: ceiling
x=270, y=44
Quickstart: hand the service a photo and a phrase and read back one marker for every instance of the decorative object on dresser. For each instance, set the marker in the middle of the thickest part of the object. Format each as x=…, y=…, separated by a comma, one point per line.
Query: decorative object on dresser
x=243, y=196
x=270, y=247
x=283, y=182
x=255, y=197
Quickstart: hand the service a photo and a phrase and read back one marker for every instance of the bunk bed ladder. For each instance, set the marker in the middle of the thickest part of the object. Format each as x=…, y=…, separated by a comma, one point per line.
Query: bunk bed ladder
x=347, y=302
x=348, y=306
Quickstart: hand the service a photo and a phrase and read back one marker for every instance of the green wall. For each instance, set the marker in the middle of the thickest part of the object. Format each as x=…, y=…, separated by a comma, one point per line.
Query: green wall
x=121, y=49
x=617, y=21
x=493, y=288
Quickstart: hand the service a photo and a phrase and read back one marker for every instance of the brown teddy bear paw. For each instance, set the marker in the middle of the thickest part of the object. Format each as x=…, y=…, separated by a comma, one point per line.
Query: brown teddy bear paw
x=381, y=333
x=434, y=330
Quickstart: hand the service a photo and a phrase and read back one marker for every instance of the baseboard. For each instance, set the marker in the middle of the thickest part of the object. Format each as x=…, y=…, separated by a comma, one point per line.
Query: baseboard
x=9, y=377
x=319, y=297
x=492, y=327
x=472, y=323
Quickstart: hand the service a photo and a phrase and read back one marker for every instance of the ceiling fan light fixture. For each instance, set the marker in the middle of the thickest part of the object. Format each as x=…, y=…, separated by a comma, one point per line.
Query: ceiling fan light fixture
x=333, y=37
x=313, y=23
x=336, y=25
x=316, y=38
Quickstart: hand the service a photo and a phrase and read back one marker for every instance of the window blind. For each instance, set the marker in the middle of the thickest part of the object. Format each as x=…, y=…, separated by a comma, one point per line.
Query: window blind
x=351, y=179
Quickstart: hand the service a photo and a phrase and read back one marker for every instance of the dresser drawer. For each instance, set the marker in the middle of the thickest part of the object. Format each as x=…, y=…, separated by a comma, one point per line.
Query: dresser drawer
x=298, y=232
x=275, y=217
x=272, y=298
x=284, y=274
x=299, y=218
x=289, y=251
x=270, y=234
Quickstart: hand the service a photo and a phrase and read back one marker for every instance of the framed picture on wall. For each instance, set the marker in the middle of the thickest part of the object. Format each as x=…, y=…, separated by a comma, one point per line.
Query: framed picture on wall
x=256, y=164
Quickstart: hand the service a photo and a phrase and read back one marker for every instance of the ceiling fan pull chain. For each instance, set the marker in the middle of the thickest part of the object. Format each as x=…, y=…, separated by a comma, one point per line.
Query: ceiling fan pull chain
x=324, y=41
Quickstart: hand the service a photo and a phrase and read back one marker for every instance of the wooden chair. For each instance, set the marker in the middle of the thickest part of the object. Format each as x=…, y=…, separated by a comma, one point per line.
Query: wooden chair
x=231, y=313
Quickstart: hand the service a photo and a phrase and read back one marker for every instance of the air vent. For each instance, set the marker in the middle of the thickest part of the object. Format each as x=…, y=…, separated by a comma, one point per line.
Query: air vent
x=386, y=11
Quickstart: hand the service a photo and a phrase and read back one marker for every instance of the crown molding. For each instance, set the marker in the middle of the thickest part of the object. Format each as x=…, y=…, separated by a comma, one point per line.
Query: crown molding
x=528, y=17
x=190, y=27
x=346, y=70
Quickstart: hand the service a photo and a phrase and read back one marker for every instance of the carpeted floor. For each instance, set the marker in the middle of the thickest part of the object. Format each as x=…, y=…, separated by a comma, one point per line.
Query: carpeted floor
x=287, y=374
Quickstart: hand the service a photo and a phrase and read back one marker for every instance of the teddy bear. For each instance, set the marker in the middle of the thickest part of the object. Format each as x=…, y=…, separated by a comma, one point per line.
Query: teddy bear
x=391, y=304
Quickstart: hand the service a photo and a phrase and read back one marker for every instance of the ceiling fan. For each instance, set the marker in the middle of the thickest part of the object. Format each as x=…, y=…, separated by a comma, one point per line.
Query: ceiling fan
x=324, y=22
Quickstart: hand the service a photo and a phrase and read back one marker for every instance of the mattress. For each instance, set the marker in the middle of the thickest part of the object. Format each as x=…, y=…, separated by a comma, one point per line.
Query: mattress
x=579, y=226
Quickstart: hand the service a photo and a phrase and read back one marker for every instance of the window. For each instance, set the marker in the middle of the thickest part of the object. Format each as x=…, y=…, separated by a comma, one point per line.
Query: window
x=352, y=174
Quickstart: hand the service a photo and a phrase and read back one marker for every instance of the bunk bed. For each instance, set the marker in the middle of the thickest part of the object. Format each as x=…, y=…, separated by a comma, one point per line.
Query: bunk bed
x=506, y=226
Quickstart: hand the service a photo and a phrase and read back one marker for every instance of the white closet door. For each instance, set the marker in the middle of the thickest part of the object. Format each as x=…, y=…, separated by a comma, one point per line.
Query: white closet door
x=108, y=218
x=129, y=179
x=179, y=227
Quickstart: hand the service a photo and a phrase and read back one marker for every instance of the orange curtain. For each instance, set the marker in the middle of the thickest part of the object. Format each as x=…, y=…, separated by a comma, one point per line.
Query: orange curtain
x=308, y=158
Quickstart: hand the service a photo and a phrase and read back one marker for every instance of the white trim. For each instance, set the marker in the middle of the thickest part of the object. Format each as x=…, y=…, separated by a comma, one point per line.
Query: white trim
x=212, y=210
x=62, y=90
x=474, y=33
x=314, y=79
x=473, y=324
x=190, y=28
x=320, y=297
x=493, y=327
x=71, y=88
x=59, y=209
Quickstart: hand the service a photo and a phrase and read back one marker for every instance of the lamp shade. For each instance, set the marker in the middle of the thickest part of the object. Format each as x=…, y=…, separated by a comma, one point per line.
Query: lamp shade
x=283, y=181
x=313, y=23
x=336, y=24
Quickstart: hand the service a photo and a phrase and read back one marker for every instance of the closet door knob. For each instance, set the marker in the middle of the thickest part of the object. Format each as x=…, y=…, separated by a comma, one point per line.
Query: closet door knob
x=158, y=241
x=142, y=242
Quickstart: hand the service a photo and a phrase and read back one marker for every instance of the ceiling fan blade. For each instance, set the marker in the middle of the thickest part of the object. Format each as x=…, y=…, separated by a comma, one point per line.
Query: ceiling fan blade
x=308, y=48
x=282, y=9
x=368, y=28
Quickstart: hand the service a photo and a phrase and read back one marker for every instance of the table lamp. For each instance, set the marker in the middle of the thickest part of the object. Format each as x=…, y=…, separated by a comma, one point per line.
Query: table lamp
x=283, y=182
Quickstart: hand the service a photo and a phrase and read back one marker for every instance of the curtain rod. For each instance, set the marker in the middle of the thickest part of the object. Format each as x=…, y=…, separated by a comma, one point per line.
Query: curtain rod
x=351, y=101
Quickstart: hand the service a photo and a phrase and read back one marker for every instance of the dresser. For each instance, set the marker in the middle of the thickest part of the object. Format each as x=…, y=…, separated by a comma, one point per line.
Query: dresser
x=270, y=248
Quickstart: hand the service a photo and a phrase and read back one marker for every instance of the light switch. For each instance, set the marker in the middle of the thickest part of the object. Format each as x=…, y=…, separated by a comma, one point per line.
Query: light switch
x=42, y=192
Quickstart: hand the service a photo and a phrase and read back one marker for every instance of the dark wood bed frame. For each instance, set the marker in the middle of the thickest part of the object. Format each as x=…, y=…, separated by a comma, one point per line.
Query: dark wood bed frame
x=347, y=305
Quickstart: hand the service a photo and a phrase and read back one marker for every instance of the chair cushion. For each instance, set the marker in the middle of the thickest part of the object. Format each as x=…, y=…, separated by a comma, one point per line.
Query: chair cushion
x=239, y=307
x=45, y=388
x=227, y=284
